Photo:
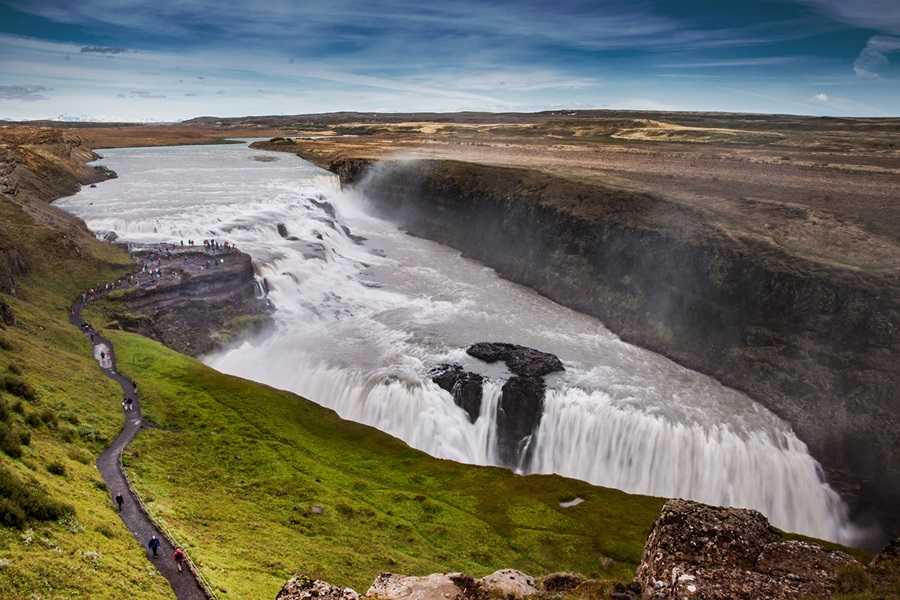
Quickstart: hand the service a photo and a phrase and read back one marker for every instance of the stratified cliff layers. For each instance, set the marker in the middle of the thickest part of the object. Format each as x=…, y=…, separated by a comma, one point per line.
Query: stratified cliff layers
x=816, y=343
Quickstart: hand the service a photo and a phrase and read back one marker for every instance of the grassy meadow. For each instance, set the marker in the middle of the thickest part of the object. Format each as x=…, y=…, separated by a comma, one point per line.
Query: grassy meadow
x=59, y=535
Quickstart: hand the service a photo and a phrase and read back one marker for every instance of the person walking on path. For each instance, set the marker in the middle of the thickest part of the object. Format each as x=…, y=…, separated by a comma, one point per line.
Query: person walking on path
x=179, y=557
x=153, y=544
x=119, y=501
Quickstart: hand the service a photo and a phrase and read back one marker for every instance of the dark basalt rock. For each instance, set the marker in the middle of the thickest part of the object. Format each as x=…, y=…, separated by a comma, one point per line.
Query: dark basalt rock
x=325, y=206
x=282, y=230
x=357, y=239
x=518, y=416
x=523, y=361
x=522, y=398
x=465, y=387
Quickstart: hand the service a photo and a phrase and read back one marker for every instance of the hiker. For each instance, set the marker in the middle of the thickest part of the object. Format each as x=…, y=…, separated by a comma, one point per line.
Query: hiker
x=153, y=544
x=119, y=501
x=130, y=403
x=179, y=557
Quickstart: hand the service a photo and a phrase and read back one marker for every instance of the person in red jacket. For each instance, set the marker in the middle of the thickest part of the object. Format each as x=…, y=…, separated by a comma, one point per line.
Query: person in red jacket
x=179, y=557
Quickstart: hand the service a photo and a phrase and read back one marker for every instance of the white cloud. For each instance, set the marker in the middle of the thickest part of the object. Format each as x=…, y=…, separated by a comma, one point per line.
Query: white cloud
x=880, y=15
x=735, y=62
x=874, y=56
x=28, y=93
x=822, y=97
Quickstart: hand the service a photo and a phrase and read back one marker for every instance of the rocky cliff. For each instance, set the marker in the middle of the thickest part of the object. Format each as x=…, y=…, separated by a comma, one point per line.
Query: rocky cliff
x=192, y=299
x=37, y=166
x=816, y=343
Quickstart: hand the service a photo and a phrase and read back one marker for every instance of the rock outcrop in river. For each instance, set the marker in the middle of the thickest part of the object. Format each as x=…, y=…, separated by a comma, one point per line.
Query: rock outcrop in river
x=816, y=343
x=193, y=299
x=521, y=399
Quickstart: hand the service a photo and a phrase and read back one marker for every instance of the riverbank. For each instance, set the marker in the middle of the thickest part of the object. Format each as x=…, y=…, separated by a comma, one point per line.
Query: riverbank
x=808, y=331
x=63, y=412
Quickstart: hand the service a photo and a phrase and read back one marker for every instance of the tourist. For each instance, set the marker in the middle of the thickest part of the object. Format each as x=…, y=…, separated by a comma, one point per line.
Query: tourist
x=153, y=544
x=179, y=557
x=119, y=501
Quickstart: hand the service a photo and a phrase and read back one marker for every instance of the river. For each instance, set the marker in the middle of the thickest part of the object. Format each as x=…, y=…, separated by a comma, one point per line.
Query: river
x=365, y=310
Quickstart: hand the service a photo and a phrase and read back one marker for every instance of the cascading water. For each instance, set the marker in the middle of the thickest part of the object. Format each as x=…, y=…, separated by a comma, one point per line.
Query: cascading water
x=360, y=323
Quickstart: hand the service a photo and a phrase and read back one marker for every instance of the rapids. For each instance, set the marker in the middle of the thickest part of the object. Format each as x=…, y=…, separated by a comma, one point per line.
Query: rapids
x=360, y=322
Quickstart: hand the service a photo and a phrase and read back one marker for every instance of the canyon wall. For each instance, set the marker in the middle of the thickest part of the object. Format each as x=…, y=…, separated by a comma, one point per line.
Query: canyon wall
x=816, y=344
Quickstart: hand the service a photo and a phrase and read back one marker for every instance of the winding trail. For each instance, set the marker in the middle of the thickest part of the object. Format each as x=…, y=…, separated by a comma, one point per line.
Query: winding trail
x=185, y=584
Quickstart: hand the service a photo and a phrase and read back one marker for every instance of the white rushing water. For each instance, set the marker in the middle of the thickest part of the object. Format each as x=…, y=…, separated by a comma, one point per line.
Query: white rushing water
x=360, y=323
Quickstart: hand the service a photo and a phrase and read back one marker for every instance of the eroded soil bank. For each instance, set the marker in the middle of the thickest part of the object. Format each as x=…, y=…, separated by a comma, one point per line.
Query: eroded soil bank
x=816, y=343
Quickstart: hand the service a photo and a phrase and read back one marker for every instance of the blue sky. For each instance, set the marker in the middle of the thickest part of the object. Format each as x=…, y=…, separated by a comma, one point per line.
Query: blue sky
x=173, y=59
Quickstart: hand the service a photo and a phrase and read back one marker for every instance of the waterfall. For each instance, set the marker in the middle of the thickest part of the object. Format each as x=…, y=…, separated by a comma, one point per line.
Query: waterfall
x=365, y=311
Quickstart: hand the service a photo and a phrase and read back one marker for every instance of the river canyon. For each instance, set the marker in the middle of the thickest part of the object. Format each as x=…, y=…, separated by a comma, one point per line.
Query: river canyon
x=364, y=312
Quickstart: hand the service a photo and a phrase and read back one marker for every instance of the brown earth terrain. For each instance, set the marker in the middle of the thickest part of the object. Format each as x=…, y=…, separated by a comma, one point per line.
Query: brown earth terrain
x=129, y=135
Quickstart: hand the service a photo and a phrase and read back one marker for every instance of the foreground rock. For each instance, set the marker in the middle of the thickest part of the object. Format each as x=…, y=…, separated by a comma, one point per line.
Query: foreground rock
x=301, y=587
x=885, y=569
x=193, y=299
x=710, y=553
x=437, y=586
x=508, y=584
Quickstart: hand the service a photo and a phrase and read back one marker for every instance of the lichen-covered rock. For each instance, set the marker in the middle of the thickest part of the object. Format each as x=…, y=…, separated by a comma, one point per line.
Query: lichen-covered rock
x=709, y=553
x=885, y=568
x=890, y=553
x=437, y=586
x=301, y=587
x=509, y=584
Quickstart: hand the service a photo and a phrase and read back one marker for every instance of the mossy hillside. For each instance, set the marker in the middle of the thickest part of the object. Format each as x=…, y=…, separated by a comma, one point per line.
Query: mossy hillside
x=238, y=471
x=75, y=410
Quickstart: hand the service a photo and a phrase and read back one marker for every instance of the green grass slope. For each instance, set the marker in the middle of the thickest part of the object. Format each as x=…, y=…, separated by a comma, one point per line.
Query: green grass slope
x=237, y=470
x=59, y=536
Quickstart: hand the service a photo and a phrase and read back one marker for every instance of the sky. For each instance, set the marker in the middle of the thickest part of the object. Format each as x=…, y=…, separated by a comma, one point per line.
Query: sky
x=168, y=60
